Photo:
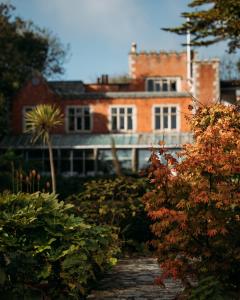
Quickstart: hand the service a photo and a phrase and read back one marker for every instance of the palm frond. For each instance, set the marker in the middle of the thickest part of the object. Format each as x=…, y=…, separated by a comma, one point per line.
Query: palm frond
x=42, y=120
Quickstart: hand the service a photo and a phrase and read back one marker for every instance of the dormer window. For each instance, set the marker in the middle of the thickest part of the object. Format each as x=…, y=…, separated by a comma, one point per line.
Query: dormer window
x=163, y=84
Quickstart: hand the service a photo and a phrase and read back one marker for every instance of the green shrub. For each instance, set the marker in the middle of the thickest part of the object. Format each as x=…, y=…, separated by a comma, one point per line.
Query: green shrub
x=116, y=202
x=45, y=251
x=212, y=289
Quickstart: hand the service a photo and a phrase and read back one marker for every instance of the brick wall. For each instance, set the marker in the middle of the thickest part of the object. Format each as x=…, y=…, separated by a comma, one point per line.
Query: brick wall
x=206, y=81
x=32, y=95
x=142, y=65
x=159, y=64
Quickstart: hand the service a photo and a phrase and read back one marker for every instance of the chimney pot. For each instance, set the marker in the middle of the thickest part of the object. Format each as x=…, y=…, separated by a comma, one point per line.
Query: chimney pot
x=134, y=47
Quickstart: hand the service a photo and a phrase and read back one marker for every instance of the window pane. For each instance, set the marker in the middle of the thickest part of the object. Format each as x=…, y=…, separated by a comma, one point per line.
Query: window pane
x=173, y=109
x=173, y=121
x=165, y=110
x=33, y=154
x=77, y=153
x=129, y=110
x=89, y=154
x=71, y=111
x=126, y=164
x=143, y=158
x=157, y=87
x=86, y=111
x=157, y=110
x=122, y=122
x=122, y=110
x=173, y=85
x=165, y=121
x=165, y=85
x=89, y=166
x=78, y=166
x=65, y=153
x=46, y=165
x=105, y=164
x=65, y=165
x=157, y=122
x=79, y=123
x=150, y=85
x=114, y=123
x=114, y=110
x=130, y=123
x=71, y=123
x=124, y=154
x=87, y=123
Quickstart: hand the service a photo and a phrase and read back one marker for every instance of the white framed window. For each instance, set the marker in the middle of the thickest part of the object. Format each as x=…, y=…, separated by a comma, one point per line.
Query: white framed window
x=25, y=110
x=78, y=119
x=163, y=84
x=166, y=117
x=122, y=118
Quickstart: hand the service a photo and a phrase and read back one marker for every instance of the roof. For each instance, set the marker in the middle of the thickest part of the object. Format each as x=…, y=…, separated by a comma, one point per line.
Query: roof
x=232, y=84
x=76, y=90
x=65, y=88
x=75, y=93
x=84, y=141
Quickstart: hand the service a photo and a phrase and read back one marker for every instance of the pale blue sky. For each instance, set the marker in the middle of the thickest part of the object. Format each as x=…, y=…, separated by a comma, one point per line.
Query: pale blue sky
x=100, y=32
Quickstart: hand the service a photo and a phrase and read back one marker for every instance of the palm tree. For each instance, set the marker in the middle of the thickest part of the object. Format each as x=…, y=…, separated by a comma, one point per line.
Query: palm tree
x=40, y=121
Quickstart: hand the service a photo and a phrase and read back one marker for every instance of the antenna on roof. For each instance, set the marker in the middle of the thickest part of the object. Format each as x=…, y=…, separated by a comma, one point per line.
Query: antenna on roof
x=189, y=75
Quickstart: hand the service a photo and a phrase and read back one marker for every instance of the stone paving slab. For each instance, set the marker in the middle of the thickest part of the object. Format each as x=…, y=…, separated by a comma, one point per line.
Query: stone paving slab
x=133, y=279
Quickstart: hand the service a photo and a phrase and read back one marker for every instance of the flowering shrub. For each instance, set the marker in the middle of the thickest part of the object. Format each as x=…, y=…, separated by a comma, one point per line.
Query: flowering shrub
x=45, y=251
x=196, y=211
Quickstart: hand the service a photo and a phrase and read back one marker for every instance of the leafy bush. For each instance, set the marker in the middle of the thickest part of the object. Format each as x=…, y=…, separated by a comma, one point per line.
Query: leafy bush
x=47, y=252
x=116, y=202
x=196, y=208
x=210, y=288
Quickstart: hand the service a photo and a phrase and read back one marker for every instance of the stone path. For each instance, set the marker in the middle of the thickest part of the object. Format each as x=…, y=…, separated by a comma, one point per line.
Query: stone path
x=133, y=279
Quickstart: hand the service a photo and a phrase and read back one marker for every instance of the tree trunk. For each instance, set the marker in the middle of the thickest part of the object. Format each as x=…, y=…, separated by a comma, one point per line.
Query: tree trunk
x=116, y=162
x=49, y=142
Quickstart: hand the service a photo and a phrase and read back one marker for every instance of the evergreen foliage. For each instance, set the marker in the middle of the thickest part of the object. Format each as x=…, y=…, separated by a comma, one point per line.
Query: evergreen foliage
x=116, y=202
x=47, y=252
x=25, y=50
x=211, y=22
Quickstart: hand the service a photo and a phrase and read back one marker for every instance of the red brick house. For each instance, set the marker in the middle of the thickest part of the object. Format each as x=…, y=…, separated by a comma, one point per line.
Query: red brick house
x=135, y=116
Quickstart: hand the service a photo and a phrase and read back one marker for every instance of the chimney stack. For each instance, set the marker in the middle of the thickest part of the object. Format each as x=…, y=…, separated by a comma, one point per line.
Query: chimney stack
x=134, y=48
x=104, y=79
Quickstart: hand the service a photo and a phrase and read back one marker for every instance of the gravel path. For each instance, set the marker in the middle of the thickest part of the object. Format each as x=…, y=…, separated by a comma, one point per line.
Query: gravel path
x=133, y=279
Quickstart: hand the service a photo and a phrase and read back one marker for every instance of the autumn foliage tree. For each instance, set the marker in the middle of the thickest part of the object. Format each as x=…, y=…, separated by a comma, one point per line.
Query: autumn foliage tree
x=196, y=208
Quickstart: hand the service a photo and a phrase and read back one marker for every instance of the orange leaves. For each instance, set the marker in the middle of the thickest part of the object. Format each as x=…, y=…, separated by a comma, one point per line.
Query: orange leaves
x=162, y=212
x=171, y=268
x=211, y=232
x=158, y=281
x=214, y=231
x=195, y=213
x=200, y=197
